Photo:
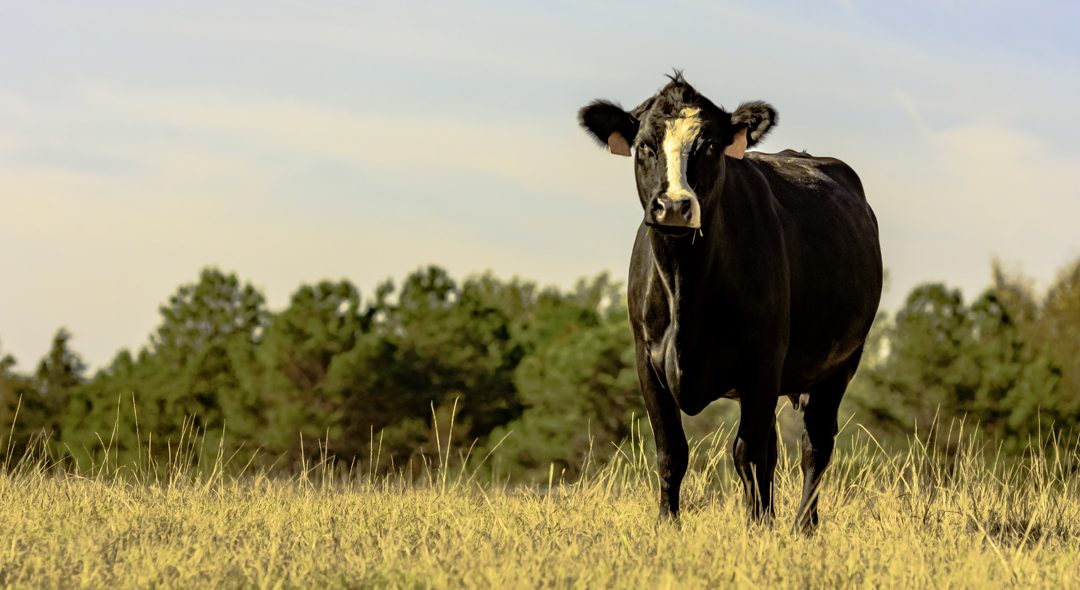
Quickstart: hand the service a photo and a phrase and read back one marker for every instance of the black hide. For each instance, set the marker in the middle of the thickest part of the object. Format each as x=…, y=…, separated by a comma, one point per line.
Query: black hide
x=774, y=295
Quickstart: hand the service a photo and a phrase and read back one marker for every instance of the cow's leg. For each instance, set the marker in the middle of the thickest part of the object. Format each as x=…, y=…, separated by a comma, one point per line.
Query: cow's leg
x=755, y=450
x=819, y=418
x=672, y=451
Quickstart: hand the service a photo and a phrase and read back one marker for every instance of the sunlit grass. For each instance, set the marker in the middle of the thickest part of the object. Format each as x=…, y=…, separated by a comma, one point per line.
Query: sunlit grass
x=917, y=519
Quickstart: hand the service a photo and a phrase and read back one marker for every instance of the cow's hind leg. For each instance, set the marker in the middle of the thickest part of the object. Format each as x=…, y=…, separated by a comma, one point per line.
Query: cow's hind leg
x=819, y=419
x=755, y=451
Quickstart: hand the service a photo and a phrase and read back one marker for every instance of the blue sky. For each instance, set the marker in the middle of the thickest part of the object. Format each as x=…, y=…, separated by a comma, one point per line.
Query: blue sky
x=295, y=141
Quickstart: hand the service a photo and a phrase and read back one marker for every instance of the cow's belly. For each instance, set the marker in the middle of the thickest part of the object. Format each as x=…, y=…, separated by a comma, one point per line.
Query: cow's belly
x=823, y=340
x=804, y=369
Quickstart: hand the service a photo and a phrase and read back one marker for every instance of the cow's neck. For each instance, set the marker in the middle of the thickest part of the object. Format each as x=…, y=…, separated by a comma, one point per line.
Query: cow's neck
x=682, y=266
x=693, y=268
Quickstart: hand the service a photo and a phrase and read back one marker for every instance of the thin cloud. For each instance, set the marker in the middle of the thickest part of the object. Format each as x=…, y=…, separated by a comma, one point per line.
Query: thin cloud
x=285, y=141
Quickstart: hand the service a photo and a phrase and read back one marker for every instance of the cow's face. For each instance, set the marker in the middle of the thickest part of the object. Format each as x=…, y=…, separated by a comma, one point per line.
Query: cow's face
x=678, y=139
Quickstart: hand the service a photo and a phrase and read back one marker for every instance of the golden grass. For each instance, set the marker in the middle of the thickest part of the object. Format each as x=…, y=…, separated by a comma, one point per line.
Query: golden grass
x=918, y=519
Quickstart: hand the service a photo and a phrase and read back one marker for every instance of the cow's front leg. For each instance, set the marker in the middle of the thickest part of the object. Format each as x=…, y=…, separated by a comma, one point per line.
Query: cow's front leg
x=672, y=451
x=755, y=450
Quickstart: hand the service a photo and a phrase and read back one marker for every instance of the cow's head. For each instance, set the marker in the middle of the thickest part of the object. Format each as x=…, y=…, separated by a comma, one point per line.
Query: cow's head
x=678, y=139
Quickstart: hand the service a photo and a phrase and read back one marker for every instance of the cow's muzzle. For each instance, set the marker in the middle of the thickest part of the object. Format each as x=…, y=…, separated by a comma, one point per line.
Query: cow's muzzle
x=674, y=213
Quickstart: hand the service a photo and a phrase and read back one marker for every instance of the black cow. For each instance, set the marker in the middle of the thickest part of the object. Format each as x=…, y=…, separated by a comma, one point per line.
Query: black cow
x=751, y=278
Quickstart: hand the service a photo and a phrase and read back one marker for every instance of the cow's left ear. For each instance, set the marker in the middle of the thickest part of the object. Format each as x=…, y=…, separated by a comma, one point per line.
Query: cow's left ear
x=609, y=125
x=757, y=117
x=737, y=148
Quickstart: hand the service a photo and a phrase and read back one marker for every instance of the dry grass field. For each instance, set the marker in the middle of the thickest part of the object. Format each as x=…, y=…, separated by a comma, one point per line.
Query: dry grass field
x=917, y=519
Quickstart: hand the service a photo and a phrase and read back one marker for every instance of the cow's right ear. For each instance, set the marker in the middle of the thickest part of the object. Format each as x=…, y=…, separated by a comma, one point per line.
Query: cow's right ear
x=609, y=125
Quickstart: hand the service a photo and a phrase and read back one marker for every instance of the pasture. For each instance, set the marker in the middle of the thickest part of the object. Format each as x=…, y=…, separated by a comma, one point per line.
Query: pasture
x=915, y=519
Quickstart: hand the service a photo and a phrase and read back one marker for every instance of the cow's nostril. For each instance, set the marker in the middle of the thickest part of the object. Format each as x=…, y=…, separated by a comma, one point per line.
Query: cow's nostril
x=684, y=208
x=658, y=209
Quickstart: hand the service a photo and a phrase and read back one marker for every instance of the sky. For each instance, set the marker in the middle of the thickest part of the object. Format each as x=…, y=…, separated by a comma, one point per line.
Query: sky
x=295, y=141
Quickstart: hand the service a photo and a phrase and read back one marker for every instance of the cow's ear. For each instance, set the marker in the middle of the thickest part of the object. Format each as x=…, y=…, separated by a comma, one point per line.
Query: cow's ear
x=757, y=117
x=609, y=125
x=737, y=147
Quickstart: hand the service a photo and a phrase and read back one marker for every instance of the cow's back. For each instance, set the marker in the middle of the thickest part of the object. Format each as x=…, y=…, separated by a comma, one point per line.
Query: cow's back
x=831, y=240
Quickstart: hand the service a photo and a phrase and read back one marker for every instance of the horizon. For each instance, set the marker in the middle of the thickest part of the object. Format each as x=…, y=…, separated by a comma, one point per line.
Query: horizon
x=291, y=143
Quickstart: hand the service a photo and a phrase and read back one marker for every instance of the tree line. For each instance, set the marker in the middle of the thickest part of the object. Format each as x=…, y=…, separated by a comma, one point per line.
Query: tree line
x=546, y=375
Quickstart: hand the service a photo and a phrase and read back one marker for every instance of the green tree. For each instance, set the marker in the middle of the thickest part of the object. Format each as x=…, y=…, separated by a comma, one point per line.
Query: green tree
x=946, y=361
x=577, y=383
x=32, y=408
x=16, y=427
x=57, y=375
x=437, y=345
x=301, y=358
x=1058, y=331
x=215, y=310
x=196, y=374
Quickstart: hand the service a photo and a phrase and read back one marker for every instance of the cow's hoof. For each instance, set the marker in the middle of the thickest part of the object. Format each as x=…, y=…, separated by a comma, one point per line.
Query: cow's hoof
x=806, y=527
x=667, y=517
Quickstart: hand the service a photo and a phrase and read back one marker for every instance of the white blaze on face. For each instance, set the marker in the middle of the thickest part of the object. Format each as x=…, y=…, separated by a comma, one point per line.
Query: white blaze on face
x=679, y=136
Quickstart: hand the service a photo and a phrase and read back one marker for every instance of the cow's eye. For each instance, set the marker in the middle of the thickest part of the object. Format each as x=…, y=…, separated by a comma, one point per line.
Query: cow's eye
x=644, y=151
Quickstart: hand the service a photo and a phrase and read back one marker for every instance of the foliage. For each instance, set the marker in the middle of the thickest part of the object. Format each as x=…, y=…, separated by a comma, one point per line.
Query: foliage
x=195, y=374
x=578, y=385
x=1057, y=330
x=546, y=376
x=34, y=406
x=947, y=359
